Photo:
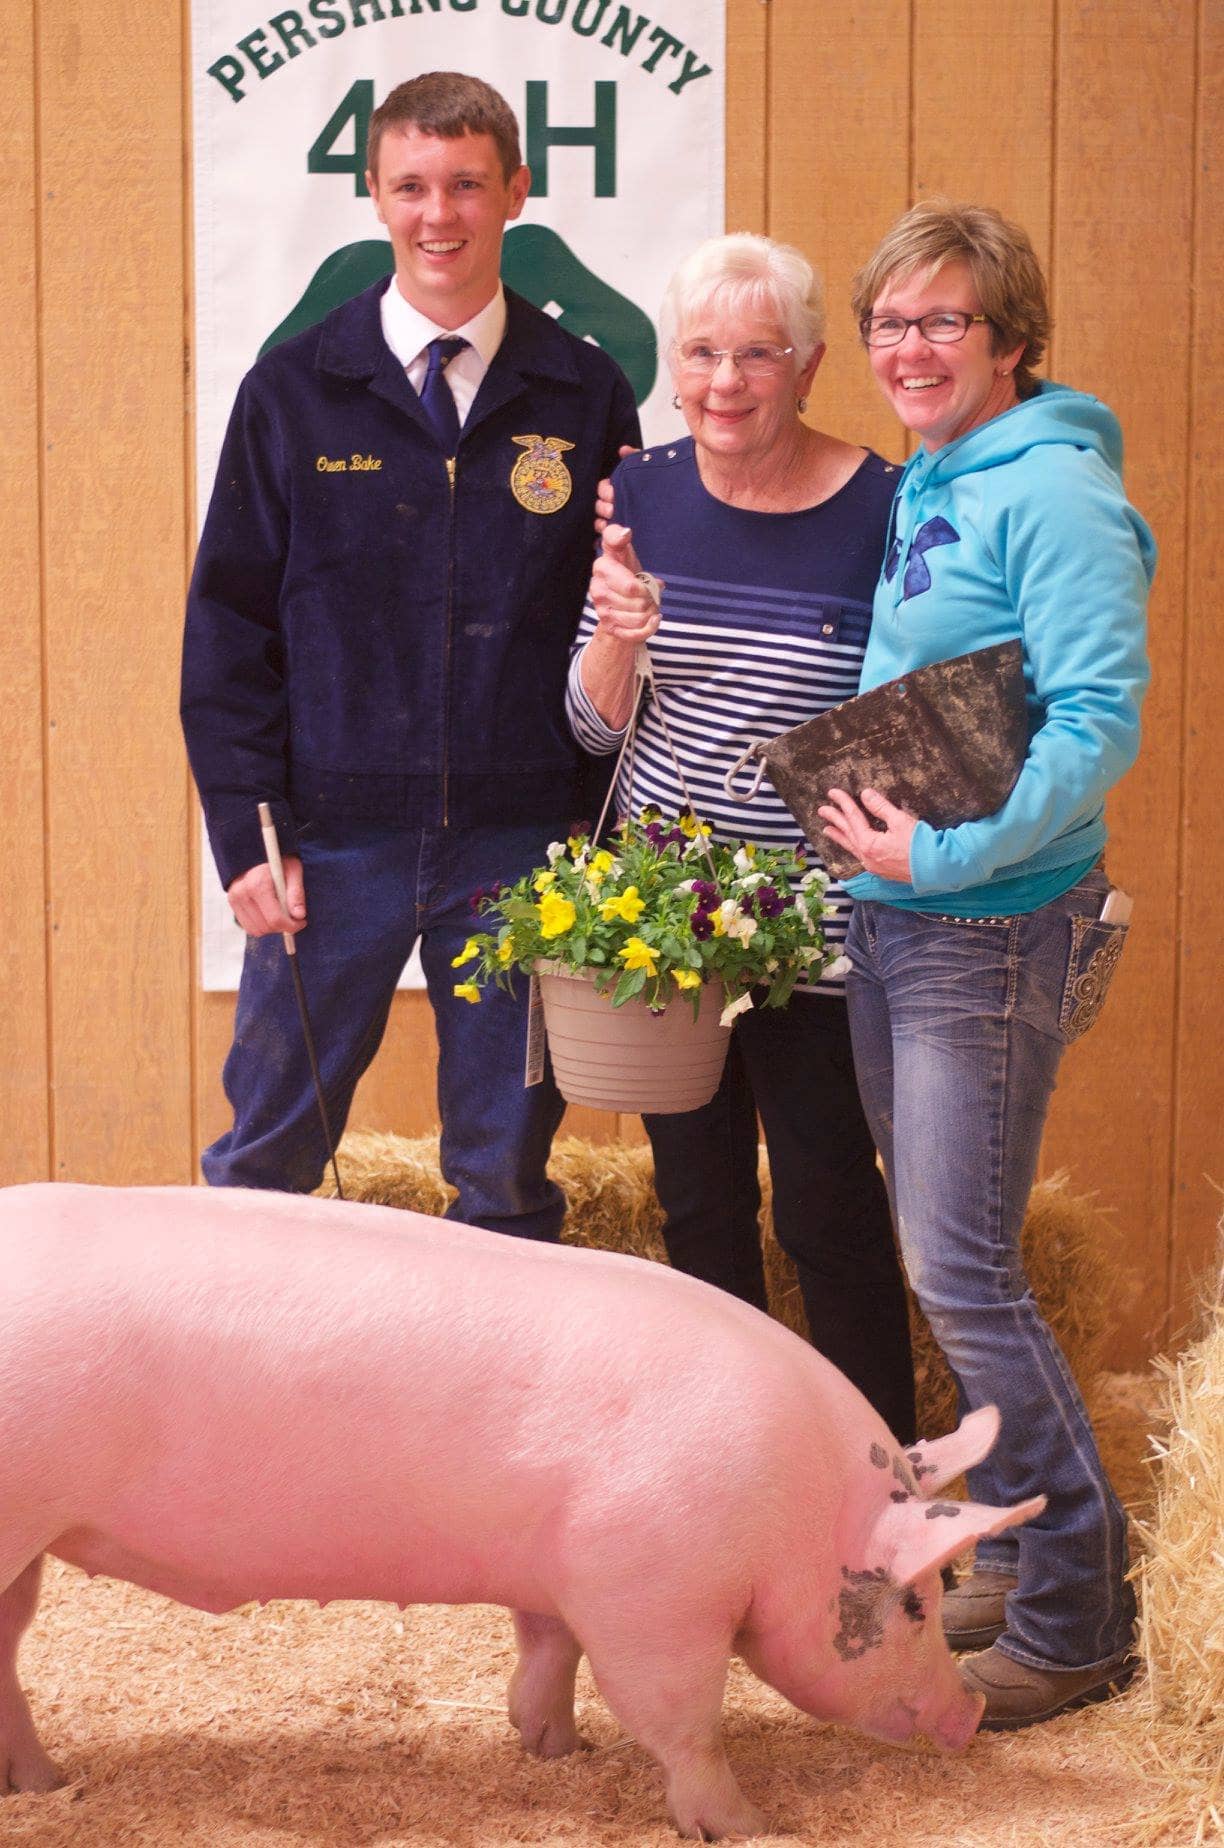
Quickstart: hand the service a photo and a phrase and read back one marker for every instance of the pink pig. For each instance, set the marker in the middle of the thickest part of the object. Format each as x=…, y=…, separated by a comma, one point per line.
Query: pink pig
x=226, y=1396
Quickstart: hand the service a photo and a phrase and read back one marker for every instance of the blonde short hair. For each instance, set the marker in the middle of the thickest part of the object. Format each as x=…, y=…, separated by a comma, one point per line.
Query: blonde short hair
x=1000, y=258
x=744, y=273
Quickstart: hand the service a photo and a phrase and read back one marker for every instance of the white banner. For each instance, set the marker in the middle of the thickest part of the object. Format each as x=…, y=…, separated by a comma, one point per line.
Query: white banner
x=622, y=118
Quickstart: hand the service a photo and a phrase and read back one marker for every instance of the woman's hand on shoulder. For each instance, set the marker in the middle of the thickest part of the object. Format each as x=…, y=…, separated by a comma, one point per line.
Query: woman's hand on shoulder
x=626, y=609
x=605, y=499
x=883, y=851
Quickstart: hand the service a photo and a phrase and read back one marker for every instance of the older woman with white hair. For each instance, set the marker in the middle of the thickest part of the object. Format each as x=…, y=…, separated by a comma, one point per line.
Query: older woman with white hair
x=768, y=536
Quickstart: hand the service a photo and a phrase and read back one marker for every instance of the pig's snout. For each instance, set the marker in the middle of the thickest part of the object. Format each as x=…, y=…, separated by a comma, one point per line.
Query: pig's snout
x=948, y=1721
x=953, y=1725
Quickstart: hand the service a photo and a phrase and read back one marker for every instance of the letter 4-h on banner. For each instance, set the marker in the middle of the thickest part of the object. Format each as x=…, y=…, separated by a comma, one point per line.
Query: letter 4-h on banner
x=622, y=118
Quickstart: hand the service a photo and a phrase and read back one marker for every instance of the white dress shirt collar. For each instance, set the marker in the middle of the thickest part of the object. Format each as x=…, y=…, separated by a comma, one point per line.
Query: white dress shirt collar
x=408, y=332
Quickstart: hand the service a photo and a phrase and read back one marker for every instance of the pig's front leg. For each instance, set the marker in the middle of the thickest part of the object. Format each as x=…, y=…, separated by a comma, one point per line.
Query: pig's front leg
x=667, y=1690
x=542, y=1685
x=23, y=1763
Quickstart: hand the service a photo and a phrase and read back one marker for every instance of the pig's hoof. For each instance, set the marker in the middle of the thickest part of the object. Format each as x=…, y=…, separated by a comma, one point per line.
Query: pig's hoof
x=31, y=1771
x=551, y=1737
x=745, y=1819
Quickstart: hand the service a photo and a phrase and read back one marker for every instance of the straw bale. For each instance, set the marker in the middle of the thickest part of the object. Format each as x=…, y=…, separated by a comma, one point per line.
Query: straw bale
x=1071, y=1246
x=1180, y=1577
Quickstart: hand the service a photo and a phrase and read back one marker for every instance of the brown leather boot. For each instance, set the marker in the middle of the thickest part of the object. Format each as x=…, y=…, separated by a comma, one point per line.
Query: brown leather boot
x=973, y=1613
x=1018, y=1695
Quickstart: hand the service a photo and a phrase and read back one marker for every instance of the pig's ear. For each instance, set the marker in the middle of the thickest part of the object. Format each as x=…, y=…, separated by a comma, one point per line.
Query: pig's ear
x=941, y=1459
x=914, y=1537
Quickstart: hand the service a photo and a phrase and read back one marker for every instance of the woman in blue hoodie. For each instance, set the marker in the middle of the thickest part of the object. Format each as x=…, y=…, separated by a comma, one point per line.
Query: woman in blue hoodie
x=979, y=951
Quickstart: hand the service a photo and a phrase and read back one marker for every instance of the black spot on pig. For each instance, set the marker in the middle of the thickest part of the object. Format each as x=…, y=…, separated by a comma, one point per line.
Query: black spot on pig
x=920, y=1469
x=862, y=1604
x=903, y=1476
x=951, y=1509
x=879, y=1456
x=901, y=1495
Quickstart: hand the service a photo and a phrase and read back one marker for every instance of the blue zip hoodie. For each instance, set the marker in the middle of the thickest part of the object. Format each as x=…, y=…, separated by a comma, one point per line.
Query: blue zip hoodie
x=1021, y=529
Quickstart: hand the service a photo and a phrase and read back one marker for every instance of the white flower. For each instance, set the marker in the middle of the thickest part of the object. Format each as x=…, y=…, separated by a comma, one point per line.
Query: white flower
x=817, y=878
x=733, y=1008
x=742, y=928
x=751, y=881
x=801, y=908
x=771, y=967
x=743, y=860
x=687, y=885
x=556, y=851
x=839, y=968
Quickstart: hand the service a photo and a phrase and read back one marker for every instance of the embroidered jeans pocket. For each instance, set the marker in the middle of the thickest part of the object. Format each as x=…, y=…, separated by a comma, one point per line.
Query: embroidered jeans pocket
x=1096, y=950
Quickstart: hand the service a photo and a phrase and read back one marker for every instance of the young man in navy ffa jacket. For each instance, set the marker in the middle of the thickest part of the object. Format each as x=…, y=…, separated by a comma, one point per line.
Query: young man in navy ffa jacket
x=378, y=629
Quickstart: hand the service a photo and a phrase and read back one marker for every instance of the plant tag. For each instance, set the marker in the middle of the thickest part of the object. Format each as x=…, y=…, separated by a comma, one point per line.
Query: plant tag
x=534, y=1073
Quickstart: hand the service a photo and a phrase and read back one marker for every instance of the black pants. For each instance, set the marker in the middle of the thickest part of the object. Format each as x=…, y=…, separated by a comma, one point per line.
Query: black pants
x=830, y=1208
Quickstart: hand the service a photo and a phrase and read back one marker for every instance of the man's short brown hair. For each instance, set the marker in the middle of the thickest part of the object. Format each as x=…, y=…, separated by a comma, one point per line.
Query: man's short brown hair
x=447, y=104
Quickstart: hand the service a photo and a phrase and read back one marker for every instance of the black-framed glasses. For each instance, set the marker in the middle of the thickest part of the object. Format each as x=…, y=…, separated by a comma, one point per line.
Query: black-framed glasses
x=943, y=327
x=758, y=360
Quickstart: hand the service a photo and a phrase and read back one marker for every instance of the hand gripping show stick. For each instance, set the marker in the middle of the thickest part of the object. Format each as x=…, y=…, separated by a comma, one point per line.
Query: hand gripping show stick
x=272, y=849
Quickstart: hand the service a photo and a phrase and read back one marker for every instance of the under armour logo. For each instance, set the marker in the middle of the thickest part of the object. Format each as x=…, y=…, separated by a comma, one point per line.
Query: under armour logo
x=917, y=572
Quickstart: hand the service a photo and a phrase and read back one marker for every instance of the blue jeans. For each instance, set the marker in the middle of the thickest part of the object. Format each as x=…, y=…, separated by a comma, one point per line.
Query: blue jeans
x=370, y=893
x=958, y=1032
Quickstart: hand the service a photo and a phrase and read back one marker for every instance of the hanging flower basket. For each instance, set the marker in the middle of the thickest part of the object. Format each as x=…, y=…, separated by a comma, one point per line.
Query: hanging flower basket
x=632, y=1058
x=647, y=950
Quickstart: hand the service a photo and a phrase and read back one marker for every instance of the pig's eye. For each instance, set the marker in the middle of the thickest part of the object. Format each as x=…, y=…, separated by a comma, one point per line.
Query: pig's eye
x=911, y=1604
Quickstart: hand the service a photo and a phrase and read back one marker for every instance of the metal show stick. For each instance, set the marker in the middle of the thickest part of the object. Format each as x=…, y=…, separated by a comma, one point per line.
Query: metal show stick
x=272, y=849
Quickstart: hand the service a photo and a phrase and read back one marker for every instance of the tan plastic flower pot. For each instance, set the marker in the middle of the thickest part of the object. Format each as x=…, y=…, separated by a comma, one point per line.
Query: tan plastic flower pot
x=626, y=1058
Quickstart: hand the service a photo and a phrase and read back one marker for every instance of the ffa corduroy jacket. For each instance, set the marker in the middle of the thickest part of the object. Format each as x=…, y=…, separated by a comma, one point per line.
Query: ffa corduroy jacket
x=375, y=632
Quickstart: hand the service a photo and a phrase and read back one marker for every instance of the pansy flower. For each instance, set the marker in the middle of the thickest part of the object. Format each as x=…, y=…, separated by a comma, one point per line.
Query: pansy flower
x=557, y=915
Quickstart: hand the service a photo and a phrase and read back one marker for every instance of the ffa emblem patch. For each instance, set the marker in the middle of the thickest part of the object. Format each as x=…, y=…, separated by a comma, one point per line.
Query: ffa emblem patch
x=540, y=480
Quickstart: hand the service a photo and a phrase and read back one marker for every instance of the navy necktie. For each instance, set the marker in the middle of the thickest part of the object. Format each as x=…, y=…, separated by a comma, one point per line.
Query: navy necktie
x=436, y=395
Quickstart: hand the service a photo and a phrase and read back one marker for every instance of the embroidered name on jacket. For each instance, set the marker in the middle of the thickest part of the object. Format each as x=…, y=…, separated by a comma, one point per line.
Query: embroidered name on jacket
x=917, y=572
x=351, y=465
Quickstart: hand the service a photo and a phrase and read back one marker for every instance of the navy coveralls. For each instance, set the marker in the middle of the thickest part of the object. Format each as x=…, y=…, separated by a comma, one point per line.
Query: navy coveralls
x=376, y=644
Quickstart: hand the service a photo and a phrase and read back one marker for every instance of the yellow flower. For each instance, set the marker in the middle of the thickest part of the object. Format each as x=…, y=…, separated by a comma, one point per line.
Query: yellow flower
x=467, y=991
x=689, y=825
x=599, y=869
x=628, y=906
x=639, y=955
x=716, y=919
x=686, y=978
x=471, y=948
x=505, y=950
x=542, y=881
x=575, y=843
x=557, y=915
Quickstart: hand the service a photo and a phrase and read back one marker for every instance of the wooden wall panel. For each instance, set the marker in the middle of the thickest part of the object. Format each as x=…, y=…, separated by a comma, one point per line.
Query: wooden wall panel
x=748, y=24
x=1197, y=1176
x=24, y=1148
x=983, y=128
x=837, y=135
x=1122, y=220
x=110, y=139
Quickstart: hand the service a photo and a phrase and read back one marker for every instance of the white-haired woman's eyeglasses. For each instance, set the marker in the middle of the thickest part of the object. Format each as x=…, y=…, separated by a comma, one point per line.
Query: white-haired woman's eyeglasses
x=759, y=360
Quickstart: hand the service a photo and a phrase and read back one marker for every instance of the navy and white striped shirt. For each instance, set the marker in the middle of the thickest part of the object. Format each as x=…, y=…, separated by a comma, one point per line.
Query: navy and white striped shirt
x=764, y=623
